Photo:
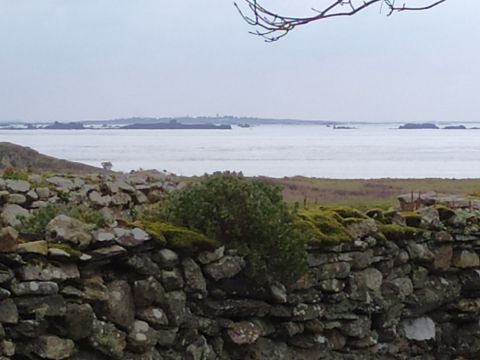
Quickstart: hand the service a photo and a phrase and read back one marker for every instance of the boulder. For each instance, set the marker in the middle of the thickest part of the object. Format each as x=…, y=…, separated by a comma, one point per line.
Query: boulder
x=66, y=229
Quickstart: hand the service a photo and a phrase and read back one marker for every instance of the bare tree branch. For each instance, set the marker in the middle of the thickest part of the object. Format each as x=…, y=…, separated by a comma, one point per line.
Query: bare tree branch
x=272, y=26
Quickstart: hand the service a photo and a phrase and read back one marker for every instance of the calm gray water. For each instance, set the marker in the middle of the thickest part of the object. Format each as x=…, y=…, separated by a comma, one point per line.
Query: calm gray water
x=367, y=152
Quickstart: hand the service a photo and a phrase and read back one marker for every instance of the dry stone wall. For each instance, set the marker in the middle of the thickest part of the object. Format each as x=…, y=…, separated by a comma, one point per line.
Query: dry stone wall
x=394, y=293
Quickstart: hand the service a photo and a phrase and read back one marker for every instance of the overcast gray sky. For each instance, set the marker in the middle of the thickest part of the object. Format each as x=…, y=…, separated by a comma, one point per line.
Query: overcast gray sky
x=99, y=59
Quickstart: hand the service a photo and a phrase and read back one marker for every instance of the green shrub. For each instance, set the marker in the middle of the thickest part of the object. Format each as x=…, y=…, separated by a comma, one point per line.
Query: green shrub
x=14, y=174
x=245, y=214
x=38, y=221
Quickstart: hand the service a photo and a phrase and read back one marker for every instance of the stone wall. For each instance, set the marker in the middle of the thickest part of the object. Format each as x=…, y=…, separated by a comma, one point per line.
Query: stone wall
x=395, y=292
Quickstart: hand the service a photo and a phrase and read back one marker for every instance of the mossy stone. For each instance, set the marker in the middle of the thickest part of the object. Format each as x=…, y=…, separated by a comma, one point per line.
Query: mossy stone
x=411, y=218
x=394, y=232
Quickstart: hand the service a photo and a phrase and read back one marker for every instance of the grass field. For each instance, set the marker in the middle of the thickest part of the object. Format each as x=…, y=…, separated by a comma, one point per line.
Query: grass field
x=365, y=194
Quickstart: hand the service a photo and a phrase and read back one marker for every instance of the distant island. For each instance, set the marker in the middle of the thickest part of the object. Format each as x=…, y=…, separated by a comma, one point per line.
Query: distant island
x=414, y=126
x=174, y=124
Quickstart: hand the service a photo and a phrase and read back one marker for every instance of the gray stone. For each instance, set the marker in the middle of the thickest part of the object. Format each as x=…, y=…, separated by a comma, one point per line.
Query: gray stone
x=20, y=186
x=419, y=252
x=103, y=236
x=172, y=279
x=53, y=347
x=6, y=274
x=98, y=200
x=363, y=228
x=419, y=329
x=174, y=304
x=120, y=304
x=107, y=339
x=278, y=292
x=155, y=316
x=42, y=271
x=226, y=267
x=79, y=321
x=207, y=257
x=304, y=312
x=466, y=259
x=62, y=183
x=8, y=312
x=194, y=280
x=359, y=328
x=11, y=214
x=41, y=306
x=144, y=265
x=140, y=235
x=35, y=288
x=142, y=337
x=148, y=292
x=120, y=199
x=32, y=195
x=18, y=199
x=332, y=285
x=166, y=258
x=119, y=185
x=43, y=193
x=66, y=229
x=244, y=332
x=339, y=270
x=443, y=258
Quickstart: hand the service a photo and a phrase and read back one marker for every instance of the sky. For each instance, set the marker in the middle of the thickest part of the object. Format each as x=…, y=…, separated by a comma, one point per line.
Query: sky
x=70, y=60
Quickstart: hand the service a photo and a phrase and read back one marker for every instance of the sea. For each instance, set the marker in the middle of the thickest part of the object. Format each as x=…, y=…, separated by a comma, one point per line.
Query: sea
x=367, y=151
